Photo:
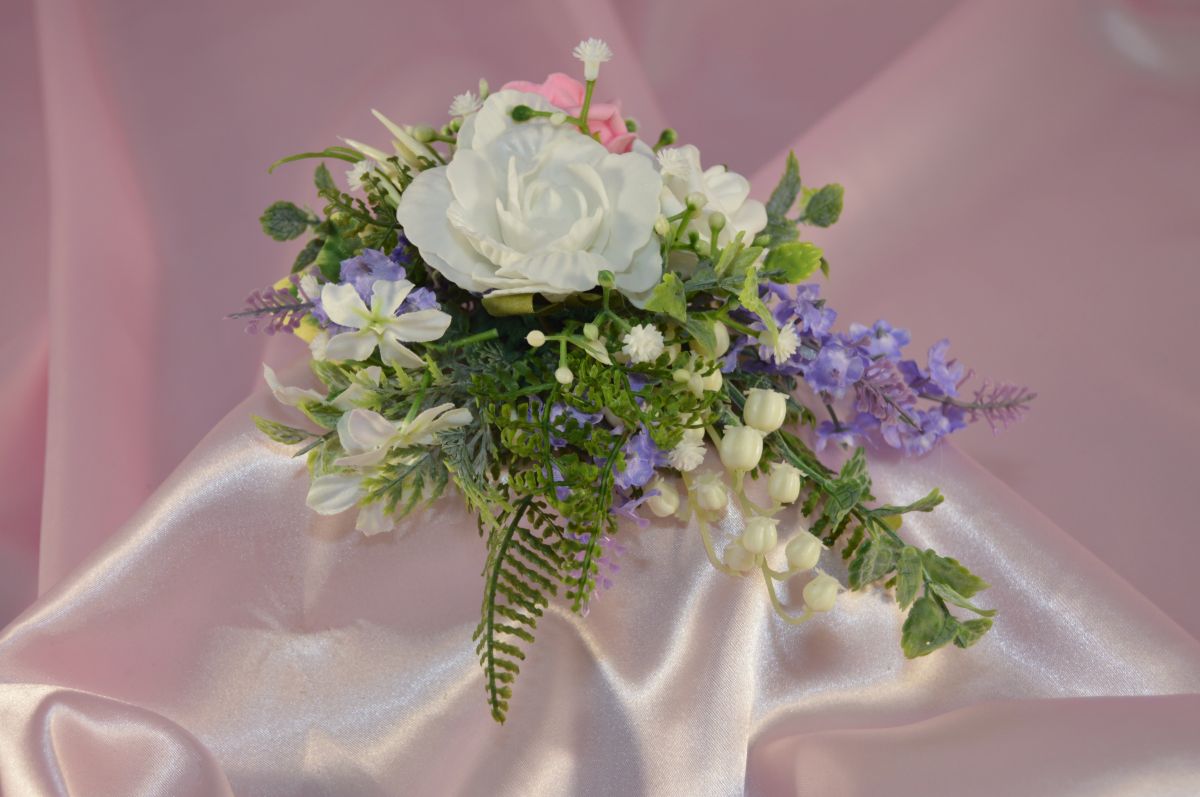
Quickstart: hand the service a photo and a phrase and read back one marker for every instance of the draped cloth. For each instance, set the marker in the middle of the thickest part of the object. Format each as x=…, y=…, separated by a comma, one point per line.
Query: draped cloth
x=1017, y=177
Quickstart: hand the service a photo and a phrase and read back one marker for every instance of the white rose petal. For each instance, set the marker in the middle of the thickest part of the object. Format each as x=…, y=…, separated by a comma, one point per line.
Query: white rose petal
x=532, y=207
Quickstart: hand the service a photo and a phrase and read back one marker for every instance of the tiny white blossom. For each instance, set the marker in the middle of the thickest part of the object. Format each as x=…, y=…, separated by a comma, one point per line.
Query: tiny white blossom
x=787, y=343
x=642, y=343
x=465, y=104
x=687, y=456
x=592, y=52
x=356, y=176
x=673, y=162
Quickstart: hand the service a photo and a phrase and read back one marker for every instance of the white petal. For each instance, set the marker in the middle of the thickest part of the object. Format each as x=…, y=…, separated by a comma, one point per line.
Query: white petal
x=387, y=296
x=291, y=396
x=419, y=326
x=396, y=354
x=343, y=305
x=563, y=271
x=364, y=430
x=495, y=117
x=373, y=520
x=633, y=191
x=351, y=345
x=422, y=214
x=334, y=493
x=644, y=273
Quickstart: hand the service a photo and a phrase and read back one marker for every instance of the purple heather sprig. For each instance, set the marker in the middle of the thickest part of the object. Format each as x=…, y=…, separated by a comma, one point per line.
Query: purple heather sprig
x=274, y=309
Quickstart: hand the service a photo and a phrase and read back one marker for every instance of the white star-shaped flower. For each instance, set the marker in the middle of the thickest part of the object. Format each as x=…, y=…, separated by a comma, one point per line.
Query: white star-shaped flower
x=787, y=343
x=592, y=52
x=642, y=343
x=379, y=325
x=674, y=162
x=465, y=104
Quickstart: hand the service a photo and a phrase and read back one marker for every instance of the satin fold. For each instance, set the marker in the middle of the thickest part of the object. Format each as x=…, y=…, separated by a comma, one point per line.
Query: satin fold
x=228, y=632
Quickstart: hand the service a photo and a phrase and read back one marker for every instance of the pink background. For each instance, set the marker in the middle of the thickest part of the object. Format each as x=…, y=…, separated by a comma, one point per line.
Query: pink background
x=1022, y=176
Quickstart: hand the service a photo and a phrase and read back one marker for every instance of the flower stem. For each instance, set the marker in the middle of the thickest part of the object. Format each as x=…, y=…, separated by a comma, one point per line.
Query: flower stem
x=777, y=604
x=587, y=104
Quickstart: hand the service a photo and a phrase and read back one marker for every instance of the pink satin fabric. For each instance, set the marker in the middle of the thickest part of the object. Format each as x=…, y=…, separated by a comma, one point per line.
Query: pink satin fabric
x=1013, y=180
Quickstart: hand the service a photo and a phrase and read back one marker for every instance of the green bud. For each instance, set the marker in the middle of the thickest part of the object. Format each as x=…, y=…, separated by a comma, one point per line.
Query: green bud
x=522, y=113
x=606, y=279
x=696, y=200
x=424, y=134
x=631, y=125
x=717, y=221
x=483, y=89
x=591, y=331
x=666, y=138
x=455, y=124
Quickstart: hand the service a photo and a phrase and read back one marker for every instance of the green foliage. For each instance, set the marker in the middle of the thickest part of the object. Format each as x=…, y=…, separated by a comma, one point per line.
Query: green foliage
x=669, y=298
x=846, y=492
x=523, y=571
x=284, y=221
x=909, y=576
x=780, y=228
x=947, y=571
x=308, y=254
x=794, y=262
x=875, y=559
x=928, y=627
x=824, y=206
x=288, y=435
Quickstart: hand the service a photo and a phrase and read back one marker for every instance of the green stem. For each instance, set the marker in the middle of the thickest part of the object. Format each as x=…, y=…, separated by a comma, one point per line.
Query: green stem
x=777, y=604
x=587, y=104
x=470, y=340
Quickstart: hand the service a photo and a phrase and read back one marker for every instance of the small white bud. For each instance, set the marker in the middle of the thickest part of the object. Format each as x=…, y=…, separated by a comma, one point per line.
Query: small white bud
x=536, y=338
x=765, y=410
x=662, y=227
x=784, y=483
x=696, y=200
x=591, y=331
x=712, y=382
x=760, y=535
x=803, y=551
x=716, y=221
x=710, y=494
x=666, y=502
x=558, y=118
x=821, y=593
x=681, y=375
x=741, y=448
x=564, y=375
x=738, y=558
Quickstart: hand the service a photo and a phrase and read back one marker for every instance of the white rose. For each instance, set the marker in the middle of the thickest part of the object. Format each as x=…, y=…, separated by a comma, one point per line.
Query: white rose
x=726, y=192
x=533, y=207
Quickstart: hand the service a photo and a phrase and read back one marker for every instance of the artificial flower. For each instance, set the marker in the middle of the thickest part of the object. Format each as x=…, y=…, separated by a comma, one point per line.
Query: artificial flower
x=532, y=207
x=378, y=325
x=566, y=93
x=642, y=343
x=724, y=192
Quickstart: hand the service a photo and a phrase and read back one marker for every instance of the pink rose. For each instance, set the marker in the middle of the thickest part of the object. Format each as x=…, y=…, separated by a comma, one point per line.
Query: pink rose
x=604, y=118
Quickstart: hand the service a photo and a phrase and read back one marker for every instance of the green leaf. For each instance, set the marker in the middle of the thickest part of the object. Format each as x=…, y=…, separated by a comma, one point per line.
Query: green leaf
x=744, y=259
x=950, y=596
x=329, y=259
x=594, y=348
x=508, y=304
x=323, y=180
x=749, y=298
x=947, y=571
x=971, y=631
x=288, y=435
x=909, y=576
x=341, y=153
x=668, y=298
x=324, y=415
x=926, y=504
x=796, y=261
x=850, y=487
x=701, y=331
x=307, y=255
x=779, y=227
x=873, y=560
x=927, y=628
x=825, y=206
x=284, y=221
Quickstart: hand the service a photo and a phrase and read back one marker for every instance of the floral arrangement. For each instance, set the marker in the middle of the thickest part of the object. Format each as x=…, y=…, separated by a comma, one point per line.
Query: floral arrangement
x=576, y=329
